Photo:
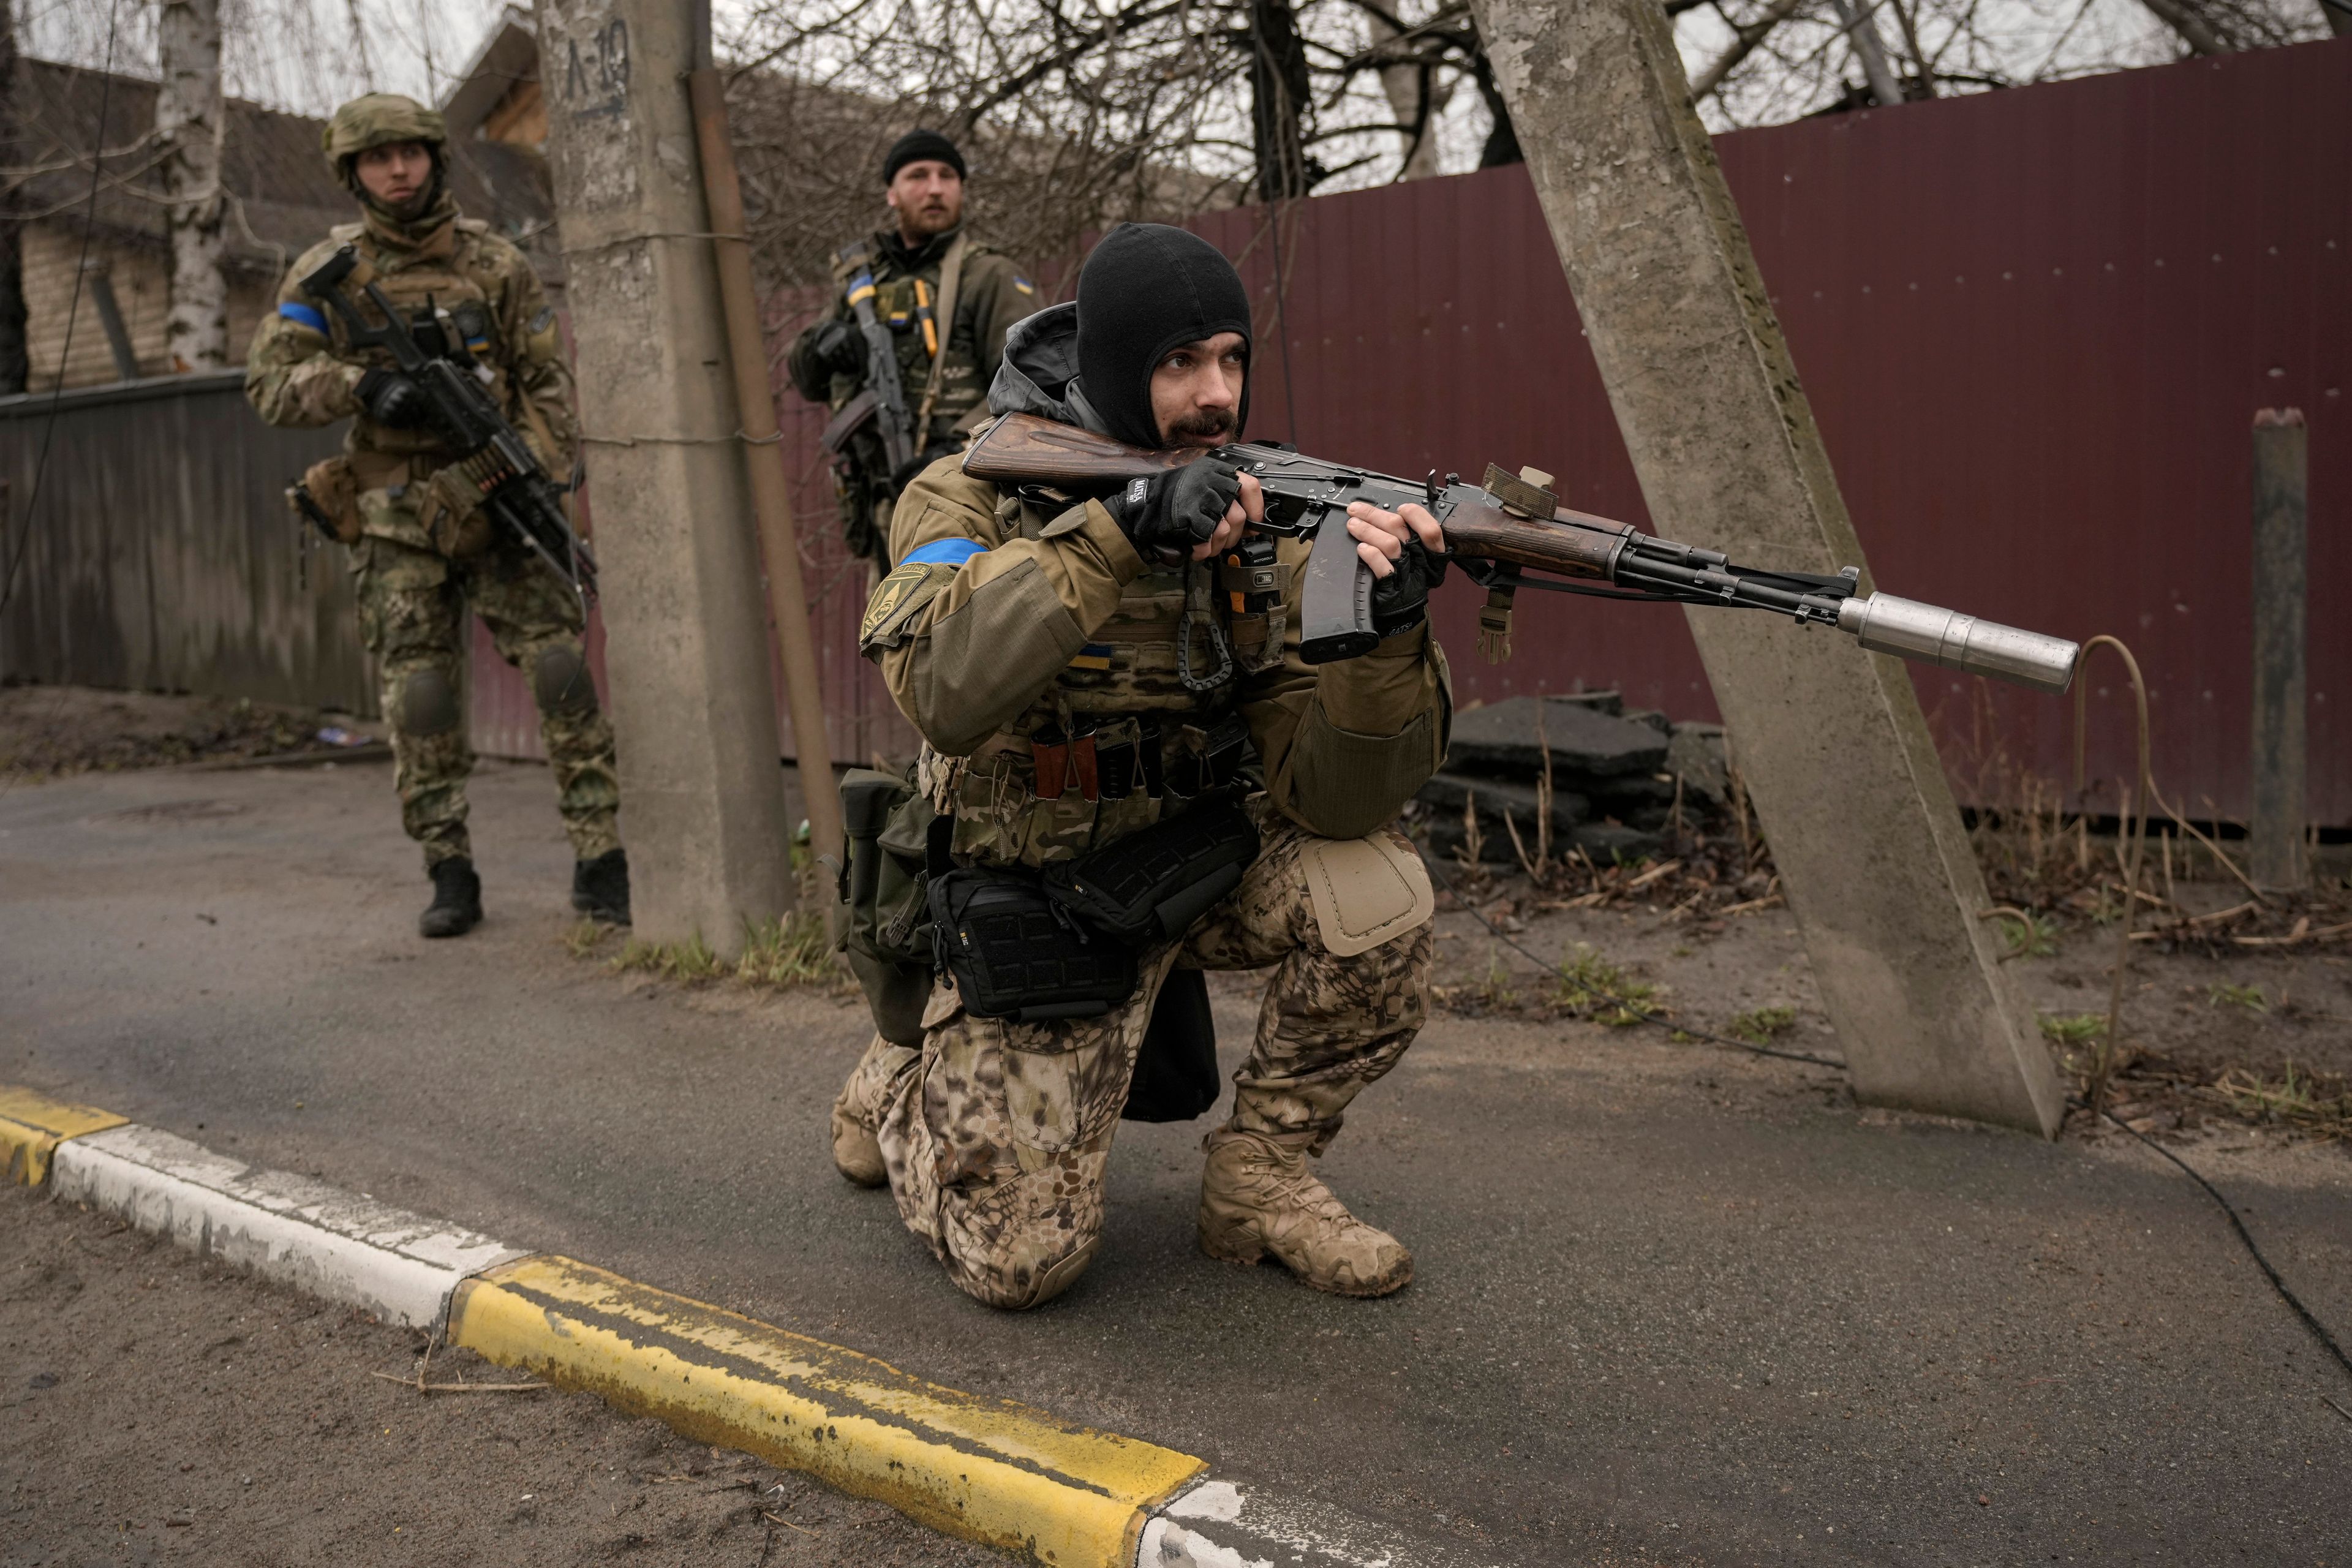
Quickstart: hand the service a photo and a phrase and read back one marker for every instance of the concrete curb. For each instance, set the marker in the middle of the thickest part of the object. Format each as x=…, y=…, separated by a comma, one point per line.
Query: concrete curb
x=988, y=1470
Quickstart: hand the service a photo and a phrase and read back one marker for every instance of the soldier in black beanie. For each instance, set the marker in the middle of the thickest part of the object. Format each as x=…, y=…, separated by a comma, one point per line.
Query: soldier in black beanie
x=947, y=302
x=1088, y=669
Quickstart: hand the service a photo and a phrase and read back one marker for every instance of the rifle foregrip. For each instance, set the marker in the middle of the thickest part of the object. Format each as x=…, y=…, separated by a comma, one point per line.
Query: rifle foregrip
x=1932, y=634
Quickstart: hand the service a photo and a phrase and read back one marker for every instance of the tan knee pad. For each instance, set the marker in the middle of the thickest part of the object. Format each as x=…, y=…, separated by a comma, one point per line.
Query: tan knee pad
x=560, y=682
x=1020, y=1291
x=1366, y=890
x=428, y=702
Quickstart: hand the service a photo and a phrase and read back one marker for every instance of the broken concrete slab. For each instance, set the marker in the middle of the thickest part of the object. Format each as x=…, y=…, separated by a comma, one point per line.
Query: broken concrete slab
x=1696, y=755
x=1584, y=742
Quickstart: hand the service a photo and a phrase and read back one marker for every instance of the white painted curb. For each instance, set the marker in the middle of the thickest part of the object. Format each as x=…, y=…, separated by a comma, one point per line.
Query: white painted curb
x=342, y=1245
x=1220, y=1524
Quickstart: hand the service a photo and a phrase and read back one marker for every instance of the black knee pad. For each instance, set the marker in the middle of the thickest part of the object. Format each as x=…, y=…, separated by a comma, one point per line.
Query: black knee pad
x=560, y=682
x=428, y=702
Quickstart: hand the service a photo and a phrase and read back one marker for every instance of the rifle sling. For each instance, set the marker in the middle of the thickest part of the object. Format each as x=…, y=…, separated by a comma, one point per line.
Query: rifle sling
x=950, y=285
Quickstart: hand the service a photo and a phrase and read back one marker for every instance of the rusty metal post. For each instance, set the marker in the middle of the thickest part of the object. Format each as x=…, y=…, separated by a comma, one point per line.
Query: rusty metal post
x=2276, y=817
x=771, y=501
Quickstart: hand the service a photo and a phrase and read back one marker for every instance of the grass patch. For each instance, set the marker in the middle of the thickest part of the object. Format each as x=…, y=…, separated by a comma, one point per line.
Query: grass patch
x=2034, y=936
x=1494, y=991
x=795, y=950
x=2071, y=1029
x=2250, y=998
x=1590, y=986
x=783, y=954
x=1765, y=1025
x=2315, y=1106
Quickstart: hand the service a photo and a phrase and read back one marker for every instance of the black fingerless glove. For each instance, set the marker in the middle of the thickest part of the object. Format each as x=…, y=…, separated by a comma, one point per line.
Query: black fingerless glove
x=392, y=400
x=1177, y=510
x=1401, y=599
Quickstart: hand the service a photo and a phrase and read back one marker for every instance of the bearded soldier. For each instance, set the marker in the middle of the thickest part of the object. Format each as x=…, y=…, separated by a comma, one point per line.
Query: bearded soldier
x=945, y=302
x=1085, y=674
x=422, y=552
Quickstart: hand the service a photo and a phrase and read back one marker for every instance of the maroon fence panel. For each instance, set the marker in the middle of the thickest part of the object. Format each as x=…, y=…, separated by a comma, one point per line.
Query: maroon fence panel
x=2034, y=325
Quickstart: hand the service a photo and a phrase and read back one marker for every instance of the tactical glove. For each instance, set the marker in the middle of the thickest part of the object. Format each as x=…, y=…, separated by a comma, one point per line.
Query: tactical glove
x=1177, y=510
x=392, y=400
x=839, y=347
x=1401, y=599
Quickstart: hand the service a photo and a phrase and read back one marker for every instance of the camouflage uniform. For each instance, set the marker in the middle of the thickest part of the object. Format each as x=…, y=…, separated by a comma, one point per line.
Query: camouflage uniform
x=416, y=565
x=990, y=297
x=1005, y=618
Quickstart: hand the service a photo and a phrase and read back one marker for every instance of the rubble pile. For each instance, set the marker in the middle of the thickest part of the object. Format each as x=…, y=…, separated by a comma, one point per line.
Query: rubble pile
x=1614, y=777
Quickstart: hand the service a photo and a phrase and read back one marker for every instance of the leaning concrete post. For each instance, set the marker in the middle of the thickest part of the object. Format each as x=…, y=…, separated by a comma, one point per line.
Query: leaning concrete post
x=2274, y=855
x=686, y=635
x=1872, y=852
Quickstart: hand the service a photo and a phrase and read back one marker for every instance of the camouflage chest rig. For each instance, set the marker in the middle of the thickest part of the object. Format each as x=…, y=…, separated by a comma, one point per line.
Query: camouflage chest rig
x=1143, y=720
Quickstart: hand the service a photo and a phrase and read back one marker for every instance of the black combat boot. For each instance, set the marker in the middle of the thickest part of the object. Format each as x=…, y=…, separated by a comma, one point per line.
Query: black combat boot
x=600, y=887
x=457, y=906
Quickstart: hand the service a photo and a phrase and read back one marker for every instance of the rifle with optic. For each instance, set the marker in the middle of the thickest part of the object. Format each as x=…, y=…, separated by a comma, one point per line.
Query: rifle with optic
x=491, y=454
x=883, y=400
x=1500, y=530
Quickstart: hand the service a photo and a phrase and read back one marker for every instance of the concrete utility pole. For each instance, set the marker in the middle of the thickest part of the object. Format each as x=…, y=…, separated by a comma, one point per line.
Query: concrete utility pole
x=701, y=793
x=1871, y=849
x=191, y=117
x=2274, y=856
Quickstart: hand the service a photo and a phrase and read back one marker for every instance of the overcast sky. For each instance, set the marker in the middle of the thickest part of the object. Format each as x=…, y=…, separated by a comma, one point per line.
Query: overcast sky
x=310, y=55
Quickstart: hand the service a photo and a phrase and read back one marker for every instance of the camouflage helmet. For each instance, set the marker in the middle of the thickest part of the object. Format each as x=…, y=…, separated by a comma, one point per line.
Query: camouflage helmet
x=380, y=119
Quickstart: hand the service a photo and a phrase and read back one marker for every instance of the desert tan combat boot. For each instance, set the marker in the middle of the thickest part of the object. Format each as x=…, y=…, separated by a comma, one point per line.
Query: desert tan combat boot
x=857, y=1112
x=1258, y=1197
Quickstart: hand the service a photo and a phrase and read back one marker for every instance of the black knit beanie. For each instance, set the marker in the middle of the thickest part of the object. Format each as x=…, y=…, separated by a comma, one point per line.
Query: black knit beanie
x=917, y=145
x=1146, y=290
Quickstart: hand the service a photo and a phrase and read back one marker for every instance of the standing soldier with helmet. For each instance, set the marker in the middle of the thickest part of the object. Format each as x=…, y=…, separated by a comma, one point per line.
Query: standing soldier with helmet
x=422, y=550
x=942, y=303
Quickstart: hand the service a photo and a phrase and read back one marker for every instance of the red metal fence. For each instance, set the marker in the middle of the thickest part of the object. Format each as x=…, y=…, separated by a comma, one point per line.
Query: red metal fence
x=2034, y=325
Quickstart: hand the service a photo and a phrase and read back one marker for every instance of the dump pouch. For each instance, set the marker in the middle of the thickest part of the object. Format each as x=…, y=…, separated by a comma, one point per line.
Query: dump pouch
x=1176, y=1066
x=1152, y=885
x=1017, y=954
x=885, y=926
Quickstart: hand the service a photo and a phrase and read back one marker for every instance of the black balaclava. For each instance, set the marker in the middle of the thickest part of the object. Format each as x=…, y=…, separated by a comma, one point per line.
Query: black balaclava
x=1146, y=290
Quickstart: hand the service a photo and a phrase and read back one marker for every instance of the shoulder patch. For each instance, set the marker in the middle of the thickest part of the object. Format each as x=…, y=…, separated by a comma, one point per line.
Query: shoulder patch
x=1023, y=284
x=897, y=600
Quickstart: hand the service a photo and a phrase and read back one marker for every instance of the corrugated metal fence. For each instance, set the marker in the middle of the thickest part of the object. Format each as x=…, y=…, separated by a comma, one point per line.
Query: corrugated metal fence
x=158, y=553
x=2034, y=325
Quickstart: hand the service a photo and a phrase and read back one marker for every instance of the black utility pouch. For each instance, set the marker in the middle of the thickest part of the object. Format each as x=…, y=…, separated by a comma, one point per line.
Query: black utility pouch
x=1150, y=886
x=1016, y=954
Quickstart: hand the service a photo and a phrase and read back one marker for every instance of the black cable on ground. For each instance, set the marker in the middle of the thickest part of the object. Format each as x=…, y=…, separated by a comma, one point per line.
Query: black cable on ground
x=1631, y=1008
x=2318, y=1330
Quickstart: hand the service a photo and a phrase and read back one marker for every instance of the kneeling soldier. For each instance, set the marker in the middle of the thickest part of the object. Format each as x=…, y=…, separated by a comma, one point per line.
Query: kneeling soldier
x=1087, y=671
x=418, y=562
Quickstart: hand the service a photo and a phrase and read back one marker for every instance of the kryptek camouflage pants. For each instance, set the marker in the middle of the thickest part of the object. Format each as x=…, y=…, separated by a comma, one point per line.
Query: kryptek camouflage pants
x=997, y=1135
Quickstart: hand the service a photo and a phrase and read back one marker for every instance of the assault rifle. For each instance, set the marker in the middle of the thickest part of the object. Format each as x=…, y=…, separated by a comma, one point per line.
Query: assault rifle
x=883, y=399
x=1500, y=530
x=491, y=455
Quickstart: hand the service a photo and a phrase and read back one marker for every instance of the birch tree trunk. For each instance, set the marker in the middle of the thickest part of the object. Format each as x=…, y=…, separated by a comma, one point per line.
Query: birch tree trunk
x=190, y=118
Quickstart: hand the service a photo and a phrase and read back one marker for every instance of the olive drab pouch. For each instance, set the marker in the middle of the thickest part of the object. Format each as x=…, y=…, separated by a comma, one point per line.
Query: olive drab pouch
x=886, y=927
x=1016, y=953
x=1152, y=885
x=335, y=489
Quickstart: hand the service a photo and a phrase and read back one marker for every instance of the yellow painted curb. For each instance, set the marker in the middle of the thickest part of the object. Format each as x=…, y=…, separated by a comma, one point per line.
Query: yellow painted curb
x=32, y=1126
x=987, y=1469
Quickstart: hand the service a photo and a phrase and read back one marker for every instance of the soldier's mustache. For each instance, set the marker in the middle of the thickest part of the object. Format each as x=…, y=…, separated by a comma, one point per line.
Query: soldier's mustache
x=1207, y=427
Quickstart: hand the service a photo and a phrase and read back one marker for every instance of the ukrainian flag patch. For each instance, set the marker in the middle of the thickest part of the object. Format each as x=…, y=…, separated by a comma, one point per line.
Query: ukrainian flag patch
x=1094, y=656
x=1023, y=284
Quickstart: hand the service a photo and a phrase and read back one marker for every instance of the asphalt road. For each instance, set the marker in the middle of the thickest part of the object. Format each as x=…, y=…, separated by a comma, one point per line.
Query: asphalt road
x=1672, y=1305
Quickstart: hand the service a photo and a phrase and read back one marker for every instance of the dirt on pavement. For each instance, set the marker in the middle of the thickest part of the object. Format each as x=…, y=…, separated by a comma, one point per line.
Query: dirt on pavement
x=160, y=1407
x=51, y=731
